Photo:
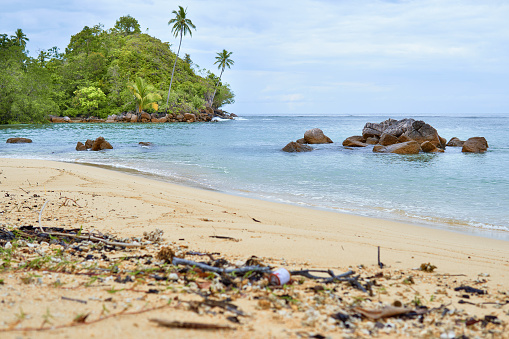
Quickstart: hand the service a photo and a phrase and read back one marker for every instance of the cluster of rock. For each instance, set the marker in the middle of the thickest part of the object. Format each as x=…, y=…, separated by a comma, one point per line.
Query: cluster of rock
x=312, y=136
x=94, y=145
x=406, y=136
x=204, y=115
x=18, y=141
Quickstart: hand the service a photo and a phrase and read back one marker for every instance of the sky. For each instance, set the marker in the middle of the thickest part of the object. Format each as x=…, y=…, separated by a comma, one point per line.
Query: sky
x=299, y=57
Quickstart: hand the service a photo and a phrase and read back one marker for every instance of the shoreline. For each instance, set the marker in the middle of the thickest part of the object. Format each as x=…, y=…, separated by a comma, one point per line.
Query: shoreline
x=82, y=289
x=281, y=230
x=461, y=228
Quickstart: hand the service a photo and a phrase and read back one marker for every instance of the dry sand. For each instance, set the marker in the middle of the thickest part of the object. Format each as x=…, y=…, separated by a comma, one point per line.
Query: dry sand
x=295, y=237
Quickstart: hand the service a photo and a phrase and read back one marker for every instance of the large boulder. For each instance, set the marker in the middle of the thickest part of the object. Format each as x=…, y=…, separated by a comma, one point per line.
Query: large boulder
x=475, y=145
x=89, y=143
x=134, y=118
x=355, y=141
x=100, y=144
x=57, y=119
x=189, y=117
x=455, y=142
x=80, y=146
x=409, y=147
x=18, y=141
x=297, y=147
x=388, y=139
x=375, y=130
x=316, y=136
x=429, y=147
x=145, y=117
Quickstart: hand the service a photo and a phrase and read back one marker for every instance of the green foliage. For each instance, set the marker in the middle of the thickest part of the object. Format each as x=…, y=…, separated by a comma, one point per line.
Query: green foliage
x=92, y=76
x=88, y=99
x=144, y=94
x=127, y=25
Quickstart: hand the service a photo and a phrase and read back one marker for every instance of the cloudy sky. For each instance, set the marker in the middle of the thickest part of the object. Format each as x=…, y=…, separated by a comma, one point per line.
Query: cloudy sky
x=317, y=56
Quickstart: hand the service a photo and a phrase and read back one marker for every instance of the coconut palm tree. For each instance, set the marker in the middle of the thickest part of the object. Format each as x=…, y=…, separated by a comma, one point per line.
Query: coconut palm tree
x=222, y=60
x=181, y=26
x=20, y=38
x=144, y=94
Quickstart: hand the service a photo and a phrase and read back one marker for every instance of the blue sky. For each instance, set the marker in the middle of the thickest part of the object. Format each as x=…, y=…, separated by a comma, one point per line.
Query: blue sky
x=318, y=57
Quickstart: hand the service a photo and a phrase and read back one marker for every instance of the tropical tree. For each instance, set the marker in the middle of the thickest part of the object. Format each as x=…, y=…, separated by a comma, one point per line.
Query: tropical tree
x=127, y=25
x=181, y=26
x=20, y=38
x=144, y=94
x=222, y=60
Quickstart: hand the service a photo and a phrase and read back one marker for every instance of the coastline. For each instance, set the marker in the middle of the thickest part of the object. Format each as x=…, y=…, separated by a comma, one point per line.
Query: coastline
x=102, y=284
x=298, y=234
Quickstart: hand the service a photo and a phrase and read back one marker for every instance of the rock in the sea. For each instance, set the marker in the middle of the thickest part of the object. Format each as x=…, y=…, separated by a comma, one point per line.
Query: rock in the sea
x=18, y=141
x=145, y=143
x=404, y=130
x=297, y=147
x=372, y=140
x=100, y=144
x=429, y=147
x=80, y=146
x=475, y=145
x=387, y=139
x=355, y=141
x=316, y=136
x=455, y=142
x=409, y=147
x=89, y=143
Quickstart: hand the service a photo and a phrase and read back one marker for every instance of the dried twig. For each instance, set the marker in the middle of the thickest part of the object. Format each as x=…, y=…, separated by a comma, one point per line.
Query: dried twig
x=190, y=325
x=205, y=267
x=40, y=215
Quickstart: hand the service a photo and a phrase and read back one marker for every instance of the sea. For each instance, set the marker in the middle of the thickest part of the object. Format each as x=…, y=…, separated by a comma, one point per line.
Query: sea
x=462, y=192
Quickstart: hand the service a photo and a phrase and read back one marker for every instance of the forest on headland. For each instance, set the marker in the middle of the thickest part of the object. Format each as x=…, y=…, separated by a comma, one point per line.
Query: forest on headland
x=99, y=74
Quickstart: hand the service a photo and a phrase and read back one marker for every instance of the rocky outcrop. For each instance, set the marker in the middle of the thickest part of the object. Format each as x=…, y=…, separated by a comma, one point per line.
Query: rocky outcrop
x=393, y=131
x=18, y=141
x=387, y=139
x=96, y=145
x=455, y=142
x=189, y=117
x=316, y=136
x=355, y=141
x=297, y=147
x=409, y=147
x=475, y=145
x=145, y=143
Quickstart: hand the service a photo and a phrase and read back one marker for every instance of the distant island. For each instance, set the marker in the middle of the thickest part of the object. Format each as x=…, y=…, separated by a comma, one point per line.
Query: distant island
x=105, y=73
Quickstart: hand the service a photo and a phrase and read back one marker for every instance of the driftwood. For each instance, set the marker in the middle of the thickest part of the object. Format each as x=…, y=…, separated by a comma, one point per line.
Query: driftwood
x=190, y=325
x=205, y=267
x=354, y=281
x=81, y=237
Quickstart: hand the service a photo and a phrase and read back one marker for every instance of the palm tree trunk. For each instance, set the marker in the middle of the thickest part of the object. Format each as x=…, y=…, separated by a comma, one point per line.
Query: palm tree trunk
x=172, y=72
x=215, y=88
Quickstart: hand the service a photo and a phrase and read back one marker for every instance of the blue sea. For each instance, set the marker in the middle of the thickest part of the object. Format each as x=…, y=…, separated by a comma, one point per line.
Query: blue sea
x=463, y=192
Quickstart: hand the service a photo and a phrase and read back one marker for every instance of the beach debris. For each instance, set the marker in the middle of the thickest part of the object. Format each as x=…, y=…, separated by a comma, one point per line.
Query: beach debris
x=427, y=267
x=155, y=236
x=165, y=254
x=224, y=237
x=279, y=277
x=469, y=289
x=384, y=312
x=190, y=325
x=380, y=264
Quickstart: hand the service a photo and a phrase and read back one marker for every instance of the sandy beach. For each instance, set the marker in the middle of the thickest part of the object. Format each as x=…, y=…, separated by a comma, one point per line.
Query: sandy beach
x=126, y=206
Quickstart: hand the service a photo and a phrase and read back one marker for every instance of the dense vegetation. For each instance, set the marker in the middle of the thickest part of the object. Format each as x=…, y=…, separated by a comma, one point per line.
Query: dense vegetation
x=96, y=73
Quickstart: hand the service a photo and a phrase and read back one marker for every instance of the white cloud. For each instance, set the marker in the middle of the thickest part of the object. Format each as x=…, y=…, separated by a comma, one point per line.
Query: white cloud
x=399, y=54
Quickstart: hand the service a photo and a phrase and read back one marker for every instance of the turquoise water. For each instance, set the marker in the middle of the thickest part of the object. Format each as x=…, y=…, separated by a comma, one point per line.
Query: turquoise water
x=465, y=192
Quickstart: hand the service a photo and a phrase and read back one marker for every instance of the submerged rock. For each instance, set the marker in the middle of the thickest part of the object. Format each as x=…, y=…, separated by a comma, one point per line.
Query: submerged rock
x=455, y=142
x=18, y=141
x=297, y=147
x=475, y=145
x=355, y=141
x=409, y=147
